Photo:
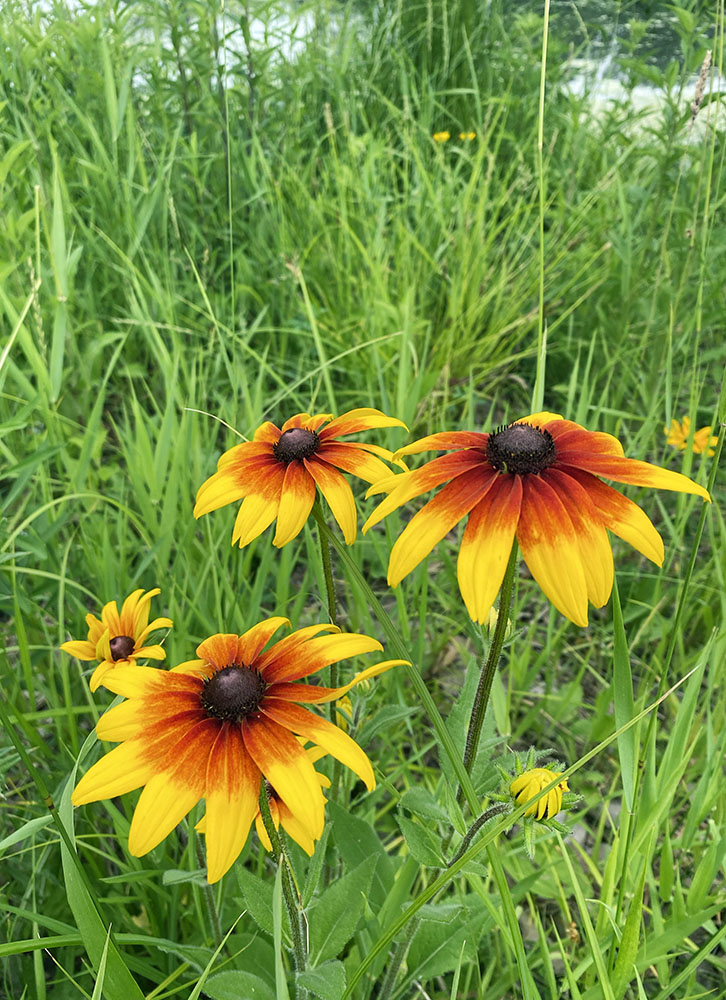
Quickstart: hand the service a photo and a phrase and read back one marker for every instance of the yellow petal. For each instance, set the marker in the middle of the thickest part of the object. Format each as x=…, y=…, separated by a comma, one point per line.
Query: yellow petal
x=338, y=494
x=296, y=502
x=254, y=516
x=233, y=786
x=550, y=549
x=79, y=648
x=123, y=769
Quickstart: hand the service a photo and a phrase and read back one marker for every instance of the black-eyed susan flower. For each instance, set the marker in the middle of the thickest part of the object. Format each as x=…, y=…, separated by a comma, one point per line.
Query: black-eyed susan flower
x=537, y=480
x=213, y=727
x=530, y=783
x=702, y=439
x=277, y=474
x=441, y=136
x=118, y=639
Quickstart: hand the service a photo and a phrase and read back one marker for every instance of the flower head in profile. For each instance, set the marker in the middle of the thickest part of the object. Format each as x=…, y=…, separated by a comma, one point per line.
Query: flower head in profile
x=441, y=136
x=278, y=473
x=529, y=784
x=214, y=727
x=536, y=480
x=702, y=439
x=118, y=639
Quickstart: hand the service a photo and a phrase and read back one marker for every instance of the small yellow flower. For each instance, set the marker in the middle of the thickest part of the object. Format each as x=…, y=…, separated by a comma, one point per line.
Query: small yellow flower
x=702, y=439
x=467, y=136
x=441, y=136
x=525, y=786
x=118, y=639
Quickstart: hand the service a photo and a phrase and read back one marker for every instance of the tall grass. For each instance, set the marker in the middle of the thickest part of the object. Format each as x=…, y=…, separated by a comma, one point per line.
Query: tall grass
x=202, y=229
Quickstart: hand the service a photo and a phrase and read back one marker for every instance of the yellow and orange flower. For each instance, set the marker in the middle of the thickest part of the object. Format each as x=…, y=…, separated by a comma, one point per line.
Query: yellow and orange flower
x=118, y=639
x=702, y=439
x=282, y=816
x=537, y=480
x=277, y=474
x=530, y=783
x=213, y=727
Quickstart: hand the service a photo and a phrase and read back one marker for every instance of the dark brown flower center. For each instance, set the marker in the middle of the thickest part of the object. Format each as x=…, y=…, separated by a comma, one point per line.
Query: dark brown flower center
x=122, y=646
x=297, y=443
x=233, y=693
x=521, y=449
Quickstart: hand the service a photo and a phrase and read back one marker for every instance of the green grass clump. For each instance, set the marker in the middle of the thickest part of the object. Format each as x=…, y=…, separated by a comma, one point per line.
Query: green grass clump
x=204, y=228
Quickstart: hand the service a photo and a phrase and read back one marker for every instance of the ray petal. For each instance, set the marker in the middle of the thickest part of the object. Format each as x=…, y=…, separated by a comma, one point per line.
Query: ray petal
x=296, y=502
x=254, y=516
x=121, y=770
x=233, y=788
x=136, y=682
x=313, y=694
x=436, y=519
x=405, y=486
x=136, y=716
x=355, y=460
x=362, y=419
x=316, y=654
x=221, y=650
x=287, y=767
x=630, y=470
x=540, y=419
x=267, y=432
x=592, y=538
x=623, y=517
x=570, y=437
x=80, y=648
x=338, y=493
x=550, y=549
x=240, y=454
x=324, y=734
x=445, y=441
x=284, y=647
x=487, y=544
x=253, y=641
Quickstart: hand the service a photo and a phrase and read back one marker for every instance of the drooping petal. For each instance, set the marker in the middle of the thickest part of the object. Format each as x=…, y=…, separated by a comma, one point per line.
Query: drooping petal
x=255, y=515
x=296, y=502
x=81, y=649
x=592, y=538
x=404, y=487
x=233, y=788
x=284, y=647
x=353, y=459
x=363, y=419
x=337, y=492
x=436, y=519
x=255, y=475
x=287, y=767
x=317, y=653
x=487, y=544
x=217, y=491
x=630, y=470
x=313, y=694
x=102, y=670
x=623, y=517
x=150, y=652
x=158, y=623
x=445, y=441
x=256, y=638
x=324, y=734
x=297, y=830
x=550, y=549
x=123, y=769
x=260, y=826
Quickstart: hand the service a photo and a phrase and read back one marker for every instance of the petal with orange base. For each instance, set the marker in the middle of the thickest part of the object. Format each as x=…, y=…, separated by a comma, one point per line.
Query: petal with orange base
x=316, y=654
x=296, y=502
x=337, y=492
x=233, y=786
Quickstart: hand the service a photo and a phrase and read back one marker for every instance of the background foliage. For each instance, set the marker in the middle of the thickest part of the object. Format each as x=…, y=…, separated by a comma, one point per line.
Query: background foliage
x=201, y=216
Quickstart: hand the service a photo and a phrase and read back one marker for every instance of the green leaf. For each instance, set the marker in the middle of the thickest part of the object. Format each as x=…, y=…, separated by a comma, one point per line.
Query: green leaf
x=26, y=830
x=422, y=843
x=444, y=931
x=421, y=803
x=625, y=963
x=357, y=841
x=118, y=983
x=257, y=897
x=327, y=981
x=335, y=915
x=238, y=984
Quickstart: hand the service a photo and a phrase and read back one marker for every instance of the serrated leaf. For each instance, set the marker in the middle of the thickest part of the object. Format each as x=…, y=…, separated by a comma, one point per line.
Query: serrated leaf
x=357, y=841
x=422, y=844
x=327, y=981
x=421, y=803
x=257, y=896
x=335, y=915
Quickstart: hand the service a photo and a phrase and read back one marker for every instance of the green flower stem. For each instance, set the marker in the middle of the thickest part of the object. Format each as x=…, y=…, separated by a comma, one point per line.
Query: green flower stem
x=399, y=648
x=333, y=615
x=481, y=699
x=476, y=826
x=209, y=897
x=397, y=959
x=294, y=911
